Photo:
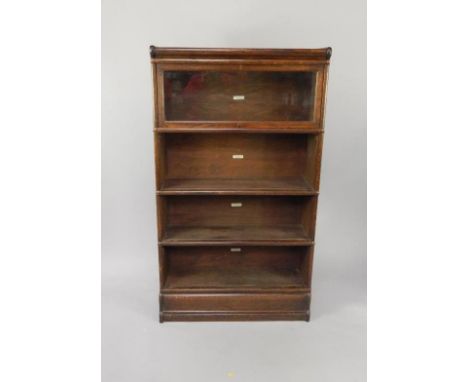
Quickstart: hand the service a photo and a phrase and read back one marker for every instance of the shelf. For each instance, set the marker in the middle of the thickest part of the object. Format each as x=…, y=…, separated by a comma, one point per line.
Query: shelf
x=237, y=235
x=283, y=186
x=237, y=164
x=263, y=269
x=229, y=279
x=236, y=130
x=244, y=243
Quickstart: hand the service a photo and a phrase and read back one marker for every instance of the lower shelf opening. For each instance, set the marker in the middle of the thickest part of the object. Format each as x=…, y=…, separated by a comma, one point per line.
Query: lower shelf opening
x=237, y=218
x=235, y=268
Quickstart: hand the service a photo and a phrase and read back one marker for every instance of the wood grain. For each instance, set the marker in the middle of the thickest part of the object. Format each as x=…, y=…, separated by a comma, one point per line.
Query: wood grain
x=235, y=268
x=252, y=186
x=270, y=162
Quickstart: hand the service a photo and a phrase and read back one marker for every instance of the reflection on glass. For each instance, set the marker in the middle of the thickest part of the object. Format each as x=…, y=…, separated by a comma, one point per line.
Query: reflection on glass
x=238, y=96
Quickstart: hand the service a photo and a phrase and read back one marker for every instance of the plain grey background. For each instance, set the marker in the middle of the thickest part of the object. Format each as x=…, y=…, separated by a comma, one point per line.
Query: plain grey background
x=135, y=347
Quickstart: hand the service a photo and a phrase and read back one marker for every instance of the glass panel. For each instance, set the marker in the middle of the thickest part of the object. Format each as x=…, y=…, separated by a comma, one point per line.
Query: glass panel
x=239, y=96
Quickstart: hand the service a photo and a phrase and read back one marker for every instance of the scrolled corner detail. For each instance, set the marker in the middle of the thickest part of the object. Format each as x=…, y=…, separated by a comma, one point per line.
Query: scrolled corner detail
x=152, y=51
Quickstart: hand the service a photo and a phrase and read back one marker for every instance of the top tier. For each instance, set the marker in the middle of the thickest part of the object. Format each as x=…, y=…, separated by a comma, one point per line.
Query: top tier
x=235, y=89
x=164, y=54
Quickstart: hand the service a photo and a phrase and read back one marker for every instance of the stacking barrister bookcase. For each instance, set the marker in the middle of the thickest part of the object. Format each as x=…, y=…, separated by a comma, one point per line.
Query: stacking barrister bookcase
x=238, y=144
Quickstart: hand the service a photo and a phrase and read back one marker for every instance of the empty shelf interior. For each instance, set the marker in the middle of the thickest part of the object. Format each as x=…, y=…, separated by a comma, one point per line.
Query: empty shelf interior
x=237, y=162
x=246, y=267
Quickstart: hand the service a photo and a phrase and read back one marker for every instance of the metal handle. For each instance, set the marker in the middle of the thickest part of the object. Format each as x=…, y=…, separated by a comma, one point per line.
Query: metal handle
x=236, y=204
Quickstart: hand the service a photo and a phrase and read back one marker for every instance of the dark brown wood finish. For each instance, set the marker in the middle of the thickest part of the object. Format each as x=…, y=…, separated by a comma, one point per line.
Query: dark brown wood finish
x=262, y=164
x=160, y=54
x=238, y=140
x=235, y=269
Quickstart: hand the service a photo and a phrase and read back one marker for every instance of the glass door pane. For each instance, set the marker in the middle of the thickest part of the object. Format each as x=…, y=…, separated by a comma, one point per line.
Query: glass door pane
x=239, y=96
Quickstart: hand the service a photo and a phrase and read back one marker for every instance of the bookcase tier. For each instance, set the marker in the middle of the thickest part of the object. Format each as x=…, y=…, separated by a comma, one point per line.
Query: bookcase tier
x=206, y=268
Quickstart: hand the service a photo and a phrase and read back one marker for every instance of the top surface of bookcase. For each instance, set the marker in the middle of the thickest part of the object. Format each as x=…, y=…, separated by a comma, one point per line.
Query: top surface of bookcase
x=160, y=53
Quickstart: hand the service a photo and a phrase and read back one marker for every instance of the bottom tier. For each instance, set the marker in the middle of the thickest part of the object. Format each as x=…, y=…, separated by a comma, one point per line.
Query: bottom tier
x=235, y=307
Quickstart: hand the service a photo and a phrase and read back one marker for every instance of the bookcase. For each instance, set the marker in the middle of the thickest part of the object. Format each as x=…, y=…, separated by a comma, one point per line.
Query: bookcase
x=238, y=139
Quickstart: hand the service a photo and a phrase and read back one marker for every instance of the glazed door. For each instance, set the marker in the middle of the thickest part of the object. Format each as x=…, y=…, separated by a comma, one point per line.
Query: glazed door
x=239, y=96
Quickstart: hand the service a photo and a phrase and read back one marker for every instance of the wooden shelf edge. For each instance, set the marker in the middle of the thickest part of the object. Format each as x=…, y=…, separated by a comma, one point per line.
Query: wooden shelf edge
x=240, y=290
x=235, y=316
x=245, y=243
x=317, y=54
x=222, y=130
x=238, y=192
x=282, y=187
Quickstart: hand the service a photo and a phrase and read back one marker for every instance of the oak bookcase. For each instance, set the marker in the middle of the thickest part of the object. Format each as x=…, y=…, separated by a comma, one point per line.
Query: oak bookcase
x=238, y=143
